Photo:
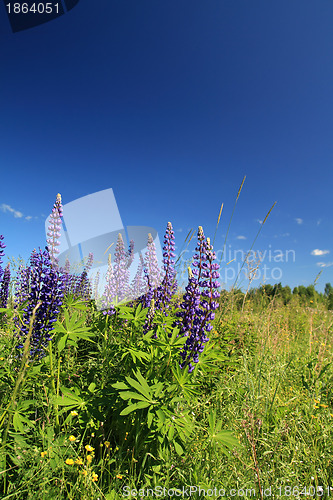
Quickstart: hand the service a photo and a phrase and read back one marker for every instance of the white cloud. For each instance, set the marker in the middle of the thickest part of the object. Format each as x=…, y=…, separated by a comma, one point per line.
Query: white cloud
x=324, y=264
x=260, y=221
x=180, y=230
x=28, y=217
x=318, y=222
x=318, y=252
x=240, y=237
x=7, y=208
x=298, y=220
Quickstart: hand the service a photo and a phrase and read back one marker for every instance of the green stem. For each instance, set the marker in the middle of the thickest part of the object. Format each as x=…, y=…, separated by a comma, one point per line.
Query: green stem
x=55, y=391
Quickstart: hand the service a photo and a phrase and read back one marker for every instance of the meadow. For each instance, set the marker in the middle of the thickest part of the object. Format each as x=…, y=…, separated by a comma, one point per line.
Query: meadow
x=217, y=394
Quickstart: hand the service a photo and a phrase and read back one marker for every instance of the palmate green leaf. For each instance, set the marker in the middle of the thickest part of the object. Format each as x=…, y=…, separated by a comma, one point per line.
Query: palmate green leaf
x=140, y=385
x=135, y=406
x=137, y=316
x=19, y=421
x=150, y=417
x=120, y=385
x=73, y=327
x=62, y=342
x=133, y=395
x=227, y=439
x=69, y=399
x=135, y=354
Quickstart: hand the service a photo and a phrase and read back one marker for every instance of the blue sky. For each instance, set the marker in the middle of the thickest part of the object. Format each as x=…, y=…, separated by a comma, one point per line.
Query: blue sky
x=170, y=104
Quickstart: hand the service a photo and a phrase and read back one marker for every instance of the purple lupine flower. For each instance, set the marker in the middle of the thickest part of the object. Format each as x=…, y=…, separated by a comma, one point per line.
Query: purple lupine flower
x=108, y=293
x=54, y=231
x=130, y=254
x=137, y=287
x=152, y=274
x=2, y=253
x=83, y=287
x=22, y=287
x=121, y=271
x=46, y=285
x=197, y=307
x=67, y=277
x=96, y=283
x=165, y=291
x=161, y=294
x=151, y=263
x=5, y=287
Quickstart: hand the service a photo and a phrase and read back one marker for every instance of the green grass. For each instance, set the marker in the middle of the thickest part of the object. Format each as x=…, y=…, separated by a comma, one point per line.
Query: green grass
x=272, y=390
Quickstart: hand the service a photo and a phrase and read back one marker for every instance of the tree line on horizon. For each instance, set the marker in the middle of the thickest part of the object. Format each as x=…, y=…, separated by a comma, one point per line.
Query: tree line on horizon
x=304, y=295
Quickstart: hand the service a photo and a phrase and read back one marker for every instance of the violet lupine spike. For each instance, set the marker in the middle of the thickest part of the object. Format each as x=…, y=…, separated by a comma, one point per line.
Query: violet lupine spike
x=2, y=253
x=46, y=285
x=22, y=285
x=151, y=263
x=197, y=307
x=83, y=287
x=168, y=286
x=130, y=254
x=137, y=288
x=54, y=231
x=67, y=277
x=121, y=272
x=96, y=283
x=109, y=290
x=5, y=287
x=163, y=293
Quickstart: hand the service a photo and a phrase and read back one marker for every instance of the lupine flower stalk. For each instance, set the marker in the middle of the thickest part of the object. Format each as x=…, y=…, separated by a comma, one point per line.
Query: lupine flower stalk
x=2, y=253
x=22, y=285
x=151, y=263
x=137, y=286
x=163, y=293
x=46, y=286
x=83, y=286
x=168, y=286
x=54, y=231
x=108, y=293
x=96, y=283
x=5, y=287
x=117, y=279
x=198, y=305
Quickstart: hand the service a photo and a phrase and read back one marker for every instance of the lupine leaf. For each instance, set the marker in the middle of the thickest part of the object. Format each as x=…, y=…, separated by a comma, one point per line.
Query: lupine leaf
x=133, y=395
x=133, y=407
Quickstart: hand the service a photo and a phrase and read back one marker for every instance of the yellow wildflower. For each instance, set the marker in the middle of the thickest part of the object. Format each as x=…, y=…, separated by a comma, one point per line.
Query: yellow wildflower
x=1, y=359
x=84, y=472
x=119, y=476
x=107, y=444
x=43, y=454
x=94, y=477
x=79, y=461
x=324, y=406
x=72, y=438
x=89, y=448
x=74, y=413
x=89, y=458
x=69, y=461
